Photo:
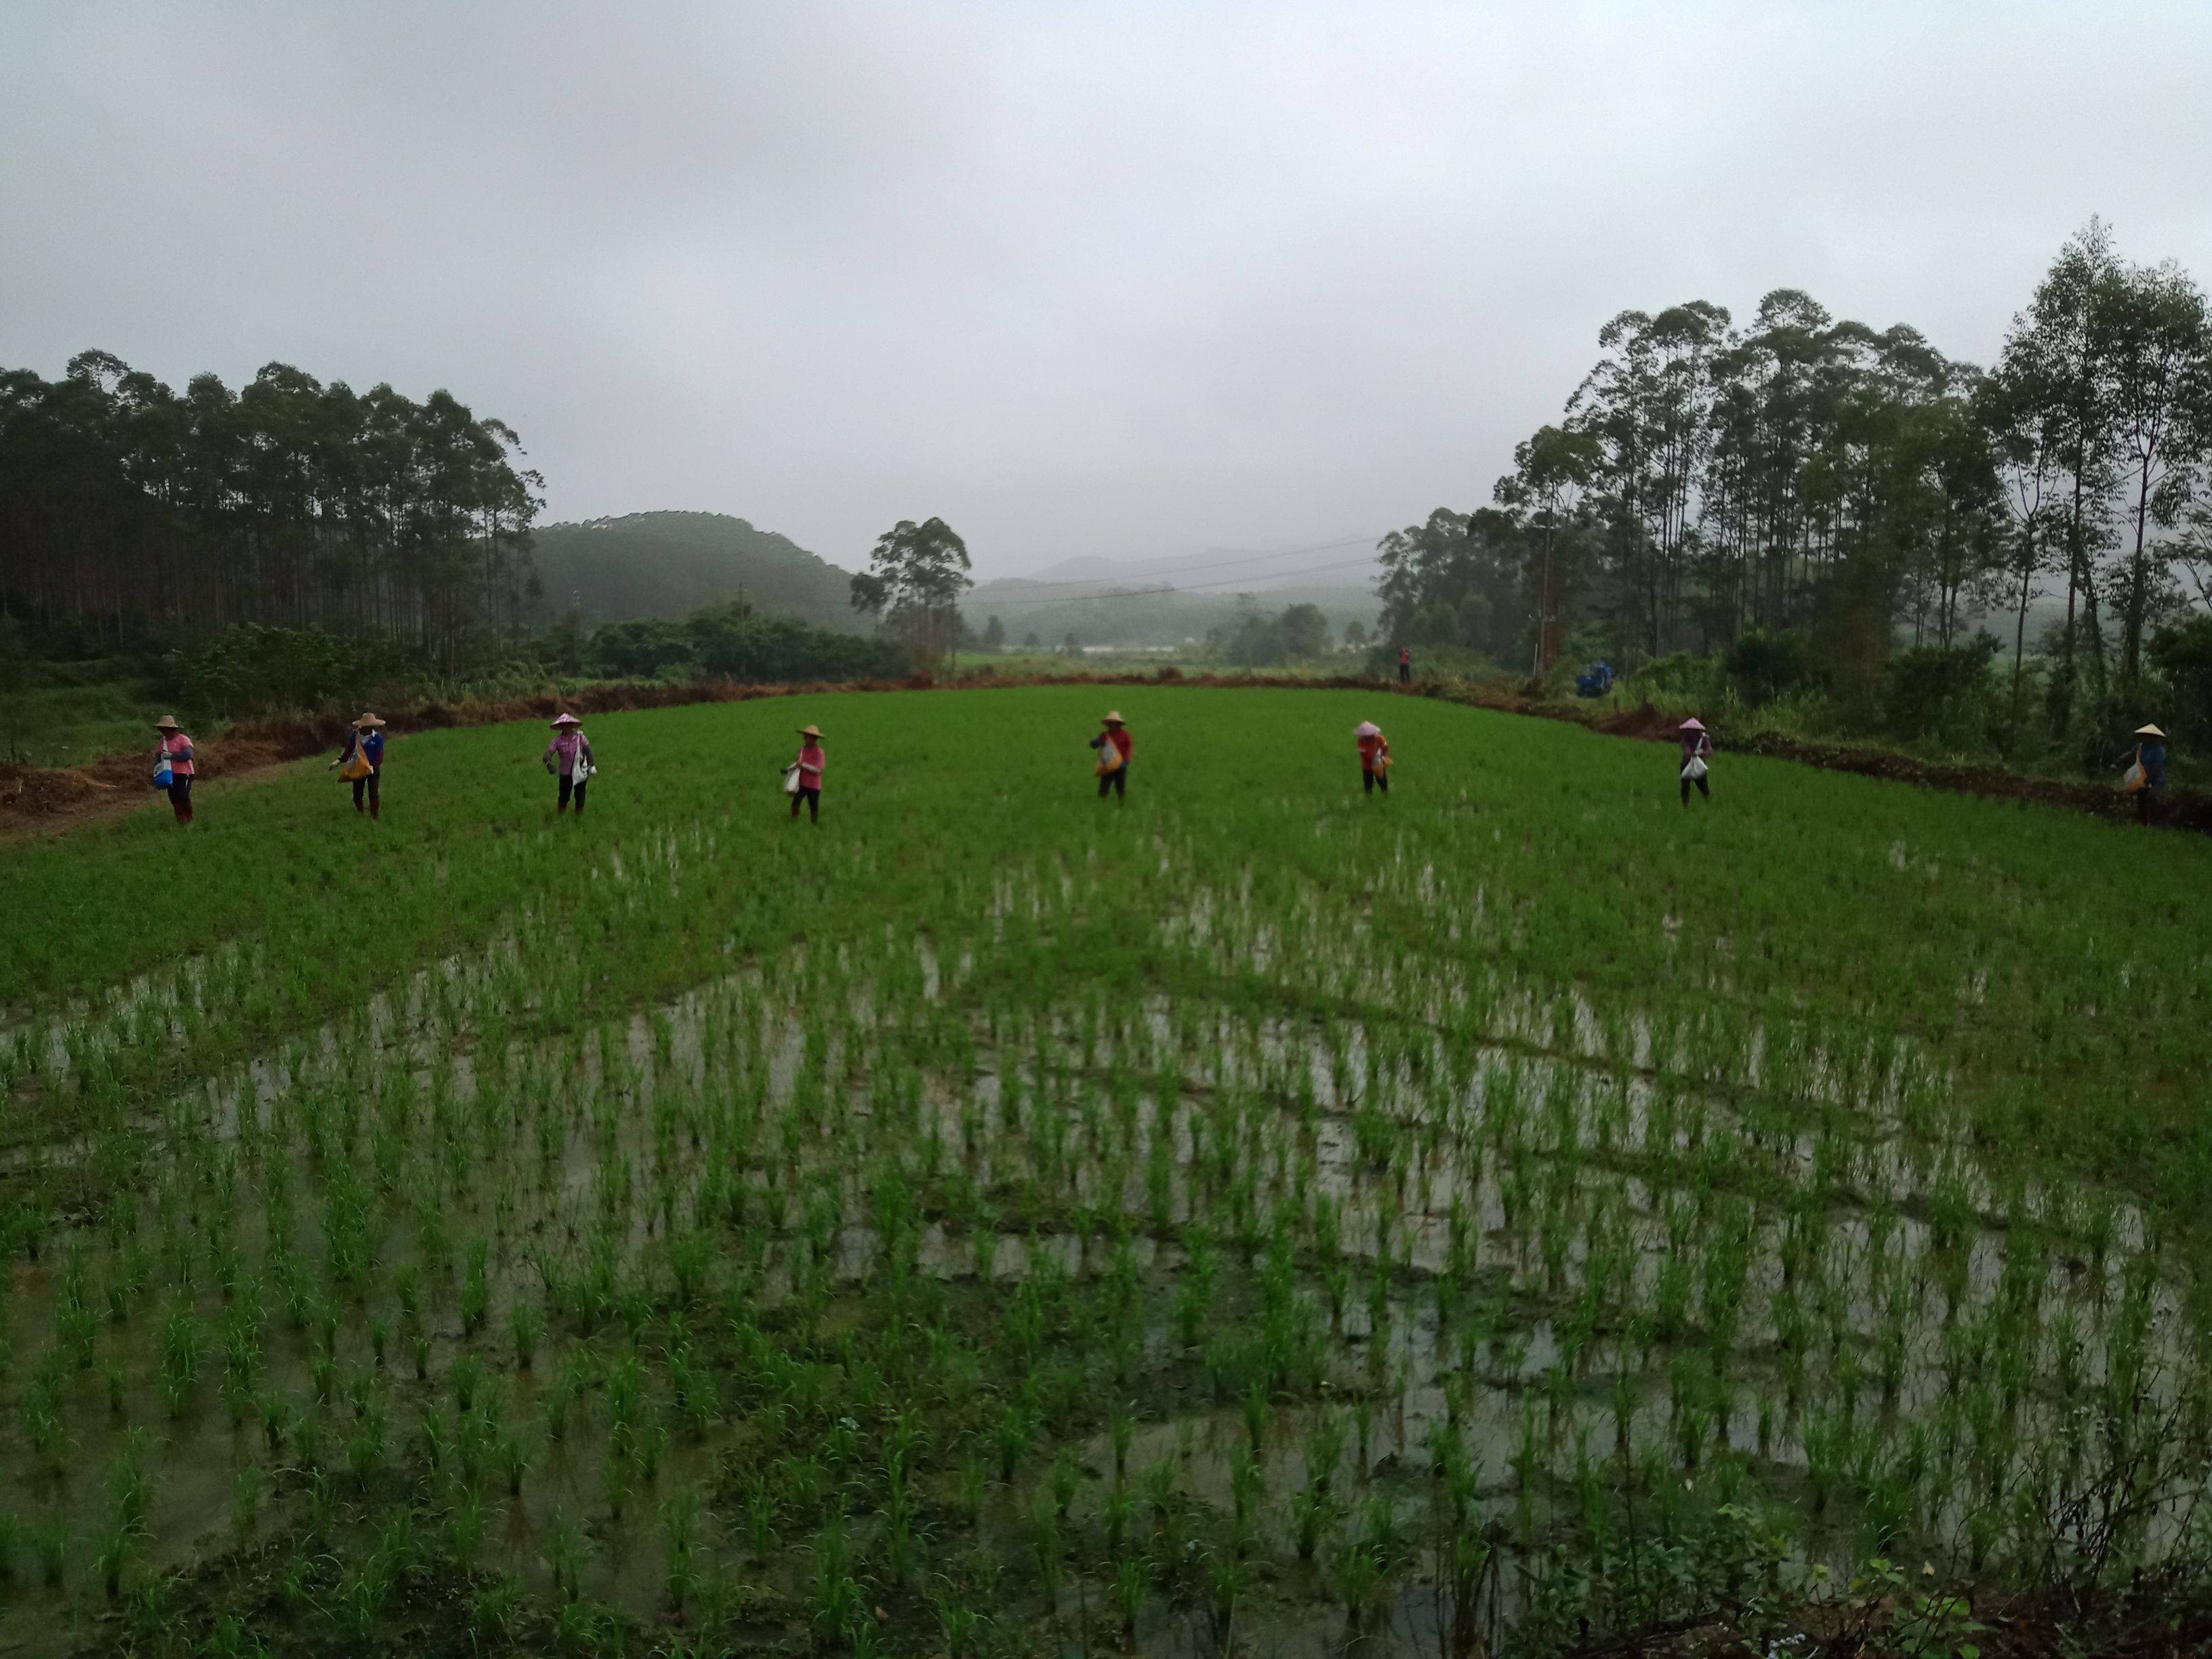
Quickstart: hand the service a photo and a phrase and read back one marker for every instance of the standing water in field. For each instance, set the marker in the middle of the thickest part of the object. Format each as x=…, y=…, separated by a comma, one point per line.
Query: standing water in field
x=1350, y=1270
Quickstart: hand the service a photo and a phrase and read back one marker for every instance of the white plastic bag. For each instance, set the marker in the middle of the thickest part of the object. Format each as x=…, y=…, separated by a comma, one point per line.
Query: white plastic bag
x=2133, y=777
x=791, y=779
x=1695, y=769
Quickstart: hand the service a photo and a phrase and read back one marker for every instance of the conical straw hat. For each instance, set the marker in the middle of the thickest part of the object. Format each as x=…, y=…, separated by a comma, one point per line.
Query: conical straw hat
x=2149, y=731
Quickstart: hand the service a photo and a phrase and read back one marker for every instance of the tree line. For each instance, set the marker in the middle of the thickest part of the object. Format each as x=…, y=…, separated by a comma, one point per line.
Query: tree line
x=128, y=510
x=735, y=641
x=1854, y=487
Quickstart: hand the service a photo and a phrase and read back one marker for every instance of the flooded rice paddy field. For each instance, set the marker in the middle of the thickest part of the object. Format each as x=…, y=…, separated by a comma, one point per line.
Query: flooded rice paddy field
x=891, y=1292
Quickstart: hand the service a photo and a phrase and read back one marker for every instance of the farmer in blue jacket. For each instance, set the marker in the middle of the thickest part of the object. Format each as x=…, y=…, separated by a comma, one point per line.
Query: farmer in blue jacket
x=366, y=741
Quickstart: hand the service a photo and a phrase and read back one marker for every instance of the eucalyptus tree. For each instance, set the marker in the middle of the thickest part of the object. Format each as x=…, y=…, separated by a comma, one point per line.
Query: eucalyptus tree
x=2058, y=346
x=1457, y=579
x=1776, y=394
x=1647, y=404
x=1968, y=548
x=125, y=506
x=913, y=585
x=2025, y=433
x=2155, y=337
x=1544, y=492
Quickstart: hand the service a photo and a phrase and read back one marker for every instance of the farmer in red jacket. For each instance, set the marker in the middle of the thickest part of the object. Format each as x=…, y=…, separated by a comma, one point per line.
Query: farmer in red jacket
x=1114, y=769
x=1373, y=757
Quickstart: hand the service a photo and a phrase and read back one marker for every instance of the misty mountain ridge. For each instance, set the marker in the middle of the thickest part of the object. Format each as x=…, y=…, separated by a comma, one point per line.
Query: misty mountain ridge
x=1339, y=563
x=672, y=563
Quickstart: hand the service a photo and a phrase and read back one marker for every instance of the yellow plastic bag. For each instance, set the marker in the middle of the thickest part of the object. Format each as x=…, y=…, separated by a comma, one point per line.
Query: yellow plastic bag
x=356, y=765
x=2135, y=777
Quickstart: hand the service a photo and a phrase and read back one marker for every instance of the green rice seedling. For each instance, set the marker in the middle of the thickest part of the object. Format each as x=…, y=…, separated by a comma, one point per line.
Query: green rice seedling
x=1121, y=1430
x=682, y=1514
x=1358, y=1578
x=50, y=1547
x=649, y=1445
x=1258, y=1412
x=245, y=1491
x=114, y=1551
x=1247, y=1486
x=131, y=1483
x=1064, y=1481
x=1016, y=1432
x=1047, y=1546
x=464, y=1526
x=466, y=1379
x=365, y=1446
x=759, y=1505
x=971, y=1484
x=181, y=1358
x=114, y=1382
x=565, y=1556
x=835, y=1604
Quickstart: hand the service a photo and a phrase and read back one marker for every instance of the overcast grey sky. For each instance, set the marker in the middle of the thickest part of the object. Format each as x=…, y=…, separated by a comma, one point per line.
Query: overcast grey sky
x=1113, y=279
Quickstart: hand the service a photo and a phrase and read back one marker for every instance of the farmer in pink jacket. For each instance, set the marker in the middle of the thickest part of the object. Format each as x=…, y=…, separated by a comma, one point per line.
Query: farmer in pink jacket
x=809, y=767
x=175, y=753
x=569, y=757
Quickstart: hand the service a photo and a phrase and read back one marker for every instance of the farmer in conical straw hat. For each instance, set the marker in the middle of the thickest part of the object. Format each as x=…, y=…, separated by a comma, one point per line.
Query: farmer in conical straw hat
x=1697, y=749
x=362, y=759
x=808, y=769
x=1373, y=757
x=1114, y=746
x=173, y=753
x=2150, y=755
x=569, y=757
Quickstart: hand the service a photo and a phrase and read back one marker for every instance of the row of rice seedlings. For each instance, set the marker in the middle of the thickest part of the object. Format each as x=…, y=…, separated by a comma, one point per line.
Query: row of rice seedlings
x=1241, y=1127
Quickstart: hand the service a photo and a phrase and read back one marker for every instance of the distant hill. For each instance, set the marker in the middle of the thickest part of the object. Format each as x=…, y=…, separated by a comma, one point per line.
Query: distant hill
x=669, y=564
x=1145, y=616
x=1165, y=601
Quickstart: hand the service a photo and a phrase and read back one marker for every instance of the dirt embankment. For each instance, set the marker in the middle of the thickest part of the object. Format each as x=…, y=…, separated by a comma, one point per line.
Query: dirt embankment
x=32, y=796
x=2181, y=810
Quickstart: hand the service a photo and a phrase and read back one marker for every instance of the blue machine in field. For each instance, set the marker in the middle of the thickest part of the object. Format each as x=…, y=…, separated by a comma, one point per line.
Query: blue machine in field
x=1595, y=681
